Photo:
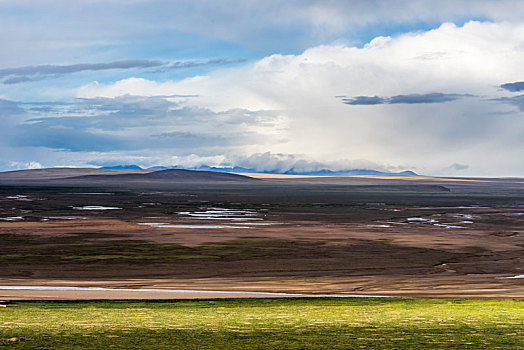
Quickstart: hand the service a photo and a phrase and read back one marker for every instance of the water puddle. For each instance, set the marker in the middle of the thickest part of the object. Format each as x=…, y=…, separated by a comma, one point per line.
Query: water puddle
x=434, y=222
x=226, y=218
x=223, y=214
x=64, y=288
x=430, y=221
x=19, y=197
x=448, y=226
x=12, y=218
x=95, y=207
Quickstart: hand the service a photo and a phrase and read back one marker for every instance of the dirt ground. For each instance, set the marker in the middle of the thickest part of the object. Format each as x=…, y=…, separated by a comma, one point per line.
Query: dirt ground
x=338, y=242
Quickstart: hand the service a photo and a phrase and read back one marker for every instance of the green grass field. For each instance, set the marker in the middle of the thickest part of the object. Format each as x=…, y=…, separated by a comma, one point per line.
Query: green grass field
x=305, y=323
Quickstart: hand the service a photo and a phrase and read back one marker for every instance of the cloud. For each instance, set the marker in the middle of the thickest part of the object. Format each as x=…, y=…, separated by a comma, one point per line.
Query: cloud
x=9, y=108
x=457, y=166
x=269, y=24
x=262, y=162
x=35, y=73
x=435, y=97
x=365, y=100
x=26, y=165
x=416, y=129
x=194, y=64
x=73, y=68
x=284, y=105
x=517, y=101
x=17, y=80
x=50, y=31
x=279, y=162
x=513, y=87
x=131, y=123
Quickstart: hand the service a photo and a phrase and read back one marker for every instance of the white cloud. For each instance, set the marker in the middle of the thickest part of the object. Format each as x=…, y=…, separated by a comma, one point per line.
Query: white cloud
x=28, y=165
x=473, y=59
x=60, y=31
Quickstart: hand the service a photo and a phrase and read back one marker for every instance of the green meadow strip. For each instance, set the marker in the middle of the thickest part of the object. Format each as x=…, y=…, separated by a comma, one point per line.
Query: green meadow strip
x=295, y=323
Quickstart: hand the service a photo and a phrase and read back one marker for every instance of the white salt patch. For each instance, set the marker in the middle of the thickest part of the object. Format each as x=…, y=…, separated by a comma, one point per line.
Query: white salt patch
x=517, y=276
x=448, y=226
x=465, y=216
x=378, y=225
x=223, y=214
x=421, y=220
x=20, y=197
x=95, y=207
x=153, y=223
x=188, y=291
x=13, y=218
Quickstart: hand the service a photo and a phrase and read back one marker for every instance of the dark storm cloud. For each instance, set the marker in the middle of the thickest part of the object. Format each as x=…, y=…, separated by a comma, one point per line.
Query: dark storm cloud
x=73, y=68
x=364, y=100
x=34, y=73
x=8, y=108
x=457, y=166
x=515, y=100
x=435, y=97
x=513, y=87
x=195, y=64
x=18, y=80
x=127, y=123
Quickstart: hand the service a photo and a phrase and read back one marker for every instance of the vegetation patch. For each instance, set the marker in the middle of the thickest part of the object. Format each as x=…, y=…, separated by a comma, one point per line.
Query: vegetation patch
x=295, y=323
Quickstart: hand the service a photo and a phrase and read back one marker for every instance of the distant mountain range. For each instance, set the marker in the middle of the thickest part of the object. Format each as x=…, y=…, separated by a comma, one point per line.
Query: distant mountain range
x=132, y=166
x=322, y=172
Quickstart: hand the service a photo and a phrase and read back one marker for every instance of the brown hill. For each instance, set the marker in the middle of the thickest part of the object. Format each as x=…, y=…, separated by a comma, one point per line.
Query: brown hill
x=61, y=173
x=180, y=175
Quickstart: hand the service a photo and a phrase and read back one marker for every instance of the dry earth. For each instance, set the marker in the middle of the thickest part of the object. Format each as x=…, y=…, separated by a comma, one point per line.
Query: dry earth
x=338, y=243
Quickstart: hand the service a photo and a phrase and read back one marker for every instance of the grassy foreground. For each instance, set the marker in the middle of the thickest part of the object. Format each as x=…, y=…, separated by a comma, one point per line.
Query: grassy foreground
x=305, y=323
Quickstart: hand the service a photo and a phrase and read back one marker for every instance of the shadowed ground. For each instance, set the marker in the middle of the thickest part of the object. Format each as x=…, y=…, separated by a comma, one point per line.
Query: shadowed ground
x=410, y=236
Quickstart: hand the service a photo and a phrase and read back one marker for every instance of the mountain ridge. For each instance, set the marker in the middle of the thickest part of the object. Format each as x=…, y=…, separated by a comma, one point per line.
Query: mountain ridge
x=321, y=172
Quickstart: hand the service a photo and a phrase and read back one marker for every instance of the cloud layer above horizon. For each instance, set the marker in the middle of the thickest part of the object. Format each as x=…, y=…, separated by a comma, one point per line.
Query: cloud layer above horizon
x=436, y=91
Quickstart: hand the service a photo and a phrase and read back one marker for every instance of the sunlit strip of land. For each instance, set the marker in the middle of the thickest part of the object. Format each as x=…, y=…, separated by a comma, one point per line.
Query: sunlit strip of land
x=265, y=324
x=377, y=177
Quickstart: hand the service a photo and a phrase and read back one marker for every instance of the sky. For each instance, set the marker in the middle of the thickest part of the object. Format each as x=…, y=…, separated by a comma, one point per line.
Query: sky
x=436, y=87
